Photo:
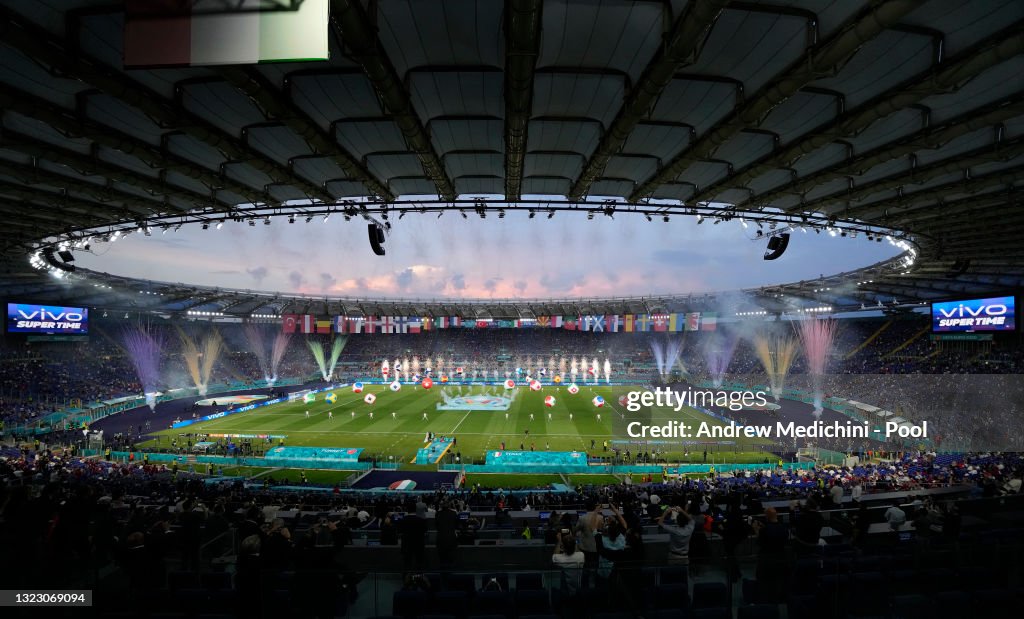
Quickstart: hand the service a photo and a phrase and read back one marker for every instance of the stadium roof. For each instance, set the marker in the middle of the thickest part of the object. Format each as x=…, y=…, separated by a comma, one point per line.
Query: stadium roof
x=898, y=116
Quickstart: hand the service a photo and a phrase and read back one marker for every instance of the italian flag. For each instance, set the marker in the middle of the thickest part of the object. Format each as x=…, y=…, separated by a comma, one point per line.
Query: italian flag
x=183, y=33
x=709, y=321
x=405, y=484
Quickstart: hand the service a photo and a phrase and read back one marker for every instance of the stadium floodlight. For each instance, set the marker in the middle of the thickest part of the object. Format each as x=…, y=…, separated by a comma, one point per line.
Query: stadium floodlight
x=744, y=222
x=220, y=224
x=326, y=217
x=700, y=219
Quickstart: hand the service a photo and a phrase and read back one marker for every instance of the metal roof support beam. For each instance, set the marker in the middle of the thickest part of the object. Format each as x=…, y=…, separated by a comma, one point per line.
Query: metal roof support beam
x=929, y=137
x=522, y=45
x=62, y=56
x=818, y=61
x=276, y=108
x=916, y=176
x=75, y=125
x=132, y=205
x=679, y=49
x=87, y=209
x=95, y=166
x=950, y=75
x=360, y=37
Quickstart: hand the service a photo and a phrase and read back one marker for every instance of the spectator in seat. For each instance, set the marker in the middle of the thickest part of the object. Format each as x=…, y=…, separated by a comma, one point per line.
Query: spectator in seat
x=447, y=522
x=895, y=516
x=807, y=525
x=414, y=537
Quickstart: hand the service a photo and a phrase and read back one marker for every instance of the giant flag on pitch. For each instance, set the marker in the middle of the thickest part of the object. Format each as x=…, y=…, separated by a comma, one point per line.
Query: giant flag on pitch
x=543, y=321
x=340, y=324
x=556, y=322
x=642, y=322
x=660, y=322
x=307, y=324
x=323, y=326
x=629, y=323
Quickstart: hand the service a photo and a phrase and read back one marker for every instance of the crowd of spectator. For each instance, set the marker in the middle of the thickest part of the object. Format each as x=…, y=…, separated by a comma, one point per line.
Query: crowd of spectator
x=36, y=378
x=151, y=519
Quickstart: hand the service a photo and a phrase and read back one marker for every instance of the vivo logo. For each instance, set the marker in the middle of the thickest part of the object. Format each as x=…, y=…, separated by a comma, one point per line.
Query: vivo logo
x=961, y=311
x=42, y=314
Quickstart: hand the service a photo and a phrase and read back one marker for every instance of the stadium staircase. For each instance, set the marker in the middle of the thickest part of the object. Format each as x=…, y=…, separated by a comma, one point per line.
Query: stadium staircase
x=870, y=339
x=909, y=341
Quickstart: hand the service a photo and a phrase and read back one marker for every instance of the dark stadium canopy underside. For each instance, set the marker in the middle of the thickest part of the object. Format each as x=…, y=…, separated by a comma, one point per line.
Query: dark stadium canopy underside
x=900, y=114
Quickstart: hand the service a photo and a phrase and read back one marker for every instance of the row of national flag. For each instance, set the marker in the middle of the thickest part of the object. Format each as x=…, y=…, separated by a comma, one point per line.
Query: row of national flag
x=613, y=323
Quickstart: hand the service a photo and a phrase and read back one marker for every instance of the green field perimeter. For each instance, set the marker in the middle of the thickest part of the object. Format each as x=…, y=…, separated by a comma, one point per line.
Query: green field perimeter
x=255, y=473
x=477, y=432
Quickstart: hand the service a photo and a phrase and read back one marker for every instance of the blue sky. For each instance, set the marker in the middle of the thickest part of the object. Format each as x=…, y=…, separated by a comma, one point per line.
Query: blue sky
x=473, y=258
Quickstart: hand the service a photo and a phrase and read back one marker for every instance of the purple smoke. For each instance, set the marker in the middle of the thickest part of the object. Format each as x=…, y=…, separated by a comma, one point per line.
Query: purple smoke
x=144, y=349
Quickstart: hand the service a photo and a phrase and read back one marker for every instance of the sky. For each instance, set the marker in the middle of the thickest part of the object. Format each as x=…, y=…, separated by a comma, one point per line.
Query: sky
x=452, y=257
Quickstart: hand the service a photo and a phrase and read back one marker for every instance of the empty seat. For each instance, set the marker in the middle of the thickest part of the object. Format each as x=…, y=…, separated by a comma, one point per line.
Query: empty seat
x=450, y=603
x=992, y=600
x=460, y=582
x=914, y=606
x=673, y=574
x=215, y=580
x=493, y=603
x=670, y=596
x=183, y=580
x=666, y=613
x=408, y=604
x=758, y=611
x=712, y=613
x=532, y=601
x=529, y=580
x=710, y=595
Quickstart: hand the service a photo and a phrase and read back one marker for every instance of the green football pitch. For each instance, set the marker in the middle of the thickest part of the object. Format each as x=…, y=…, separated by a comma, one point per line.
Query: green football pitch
x=398, y=427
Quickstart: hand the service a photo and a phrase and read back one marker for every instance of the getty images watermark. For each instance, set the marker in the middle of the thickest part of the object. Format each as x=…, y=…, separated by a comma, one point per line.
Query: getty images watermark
x=648, y=426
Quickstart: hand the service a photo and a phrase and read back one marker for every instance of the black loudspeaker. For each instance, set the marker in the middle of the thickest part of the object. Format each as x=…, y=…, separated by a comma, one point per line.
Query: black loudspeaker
x=66, y=256
x=959, y=267
x=777, y=246
x=376, y=238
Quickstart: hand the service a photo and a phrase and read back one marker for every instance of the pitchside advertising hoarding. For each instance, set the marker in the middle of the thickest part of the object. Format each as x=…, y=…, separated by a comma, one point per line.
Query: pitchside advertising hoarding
x=49, y=319
x=992, y=314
